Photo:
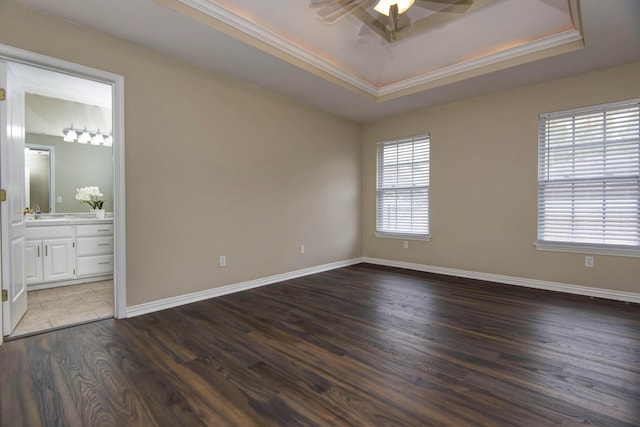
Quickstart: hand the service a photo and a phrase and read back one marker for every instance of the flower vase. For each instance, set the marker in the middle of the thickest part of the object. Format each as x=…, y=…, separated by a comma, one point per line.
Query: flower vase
x=99, y=213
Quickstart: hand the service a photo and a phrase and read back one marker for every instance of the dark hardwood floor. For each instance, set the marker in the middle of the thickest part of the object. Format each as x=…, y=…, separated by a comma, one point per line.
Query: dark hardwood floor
x=362, y=345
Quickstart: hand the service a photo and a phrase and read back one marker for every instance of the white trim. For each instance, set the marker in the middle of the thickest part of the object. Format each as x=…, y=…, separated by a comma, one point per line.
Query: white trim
x=590, y=108
x=116, y=81
x=52, y=171
x=50, y=285
x=510, y=280
x=252, y=29
x=401, y=236
x=495, y=58
x=150, y=307
x=587, y=249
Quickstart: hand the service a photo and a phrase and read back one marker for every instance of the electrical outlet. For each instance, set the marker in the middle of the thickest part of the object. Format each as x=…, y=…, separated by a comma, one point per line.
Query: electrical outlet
x=588, y=261
x=301, y=249
x=59, y=199
x=405, y=244
x=223, y=261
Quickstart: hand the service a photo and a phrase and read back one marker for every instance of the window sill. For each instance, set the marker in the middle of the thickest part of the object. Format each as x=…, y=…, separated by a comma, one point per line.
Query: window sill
x=403, y=236
x=588, y=249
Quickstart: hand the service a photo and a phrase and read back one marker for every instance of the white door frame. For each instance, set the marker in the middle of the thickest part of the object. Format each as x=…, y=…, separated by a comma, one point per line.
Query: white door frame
x=12, y=54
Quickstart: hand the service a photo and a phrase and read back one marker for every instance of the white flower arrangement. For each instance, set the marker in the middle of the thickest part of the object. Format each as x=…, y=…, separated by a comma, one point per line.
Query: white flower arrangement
x=91, y=196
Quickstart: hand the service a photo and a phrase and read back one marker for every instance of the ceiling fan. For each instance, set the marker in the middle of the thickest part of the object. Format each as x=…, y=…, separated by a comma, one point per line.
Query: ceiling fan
x=394, y=8
x=388, y=18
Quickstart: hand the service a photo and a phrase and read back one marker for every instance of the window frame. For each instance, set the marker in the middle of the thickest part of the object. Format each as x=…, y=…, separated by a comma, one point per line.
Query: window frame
x=400, y=234
x=543, y=151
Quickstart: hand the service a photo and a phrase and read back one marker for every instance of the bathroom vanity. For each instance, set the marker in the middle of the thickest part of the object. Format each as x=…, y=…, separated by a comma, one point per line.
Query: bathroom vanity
x=68, y=249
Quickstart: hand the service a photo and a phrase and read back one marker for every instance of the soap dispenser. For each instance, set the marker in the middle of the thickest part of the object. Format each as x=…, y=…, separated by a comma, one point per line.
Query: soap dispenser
x=38, y=214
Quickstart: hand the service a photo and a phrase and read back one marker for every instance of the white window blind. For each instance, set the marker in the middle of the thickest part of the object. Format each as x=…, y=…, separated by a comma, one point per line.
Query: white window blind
x=403, y=186
x=589, y=176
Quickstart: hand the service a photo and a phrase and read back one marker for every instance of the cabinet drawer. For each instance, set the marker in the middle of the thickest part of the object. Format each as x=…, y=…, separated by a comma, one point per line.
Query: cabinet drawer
x=50, y=232
x=94, y=230
x=94, y=265
x=94, y=246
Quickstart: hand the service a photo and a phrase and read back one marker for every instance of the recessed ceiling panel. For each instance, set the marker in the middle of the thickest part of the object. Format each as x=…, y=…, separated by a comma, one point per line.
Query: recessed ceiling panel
x=435, y=40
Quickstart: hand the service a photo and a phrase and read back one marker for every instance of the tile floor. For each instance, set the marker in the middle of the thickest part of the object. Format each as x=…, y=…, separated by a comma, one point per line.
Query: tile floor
x=66, y=305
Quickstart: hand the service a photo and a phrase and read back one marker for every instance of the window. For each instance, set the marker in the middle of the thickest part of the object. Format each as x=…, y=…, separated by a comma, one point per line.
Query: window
x=589, y=180
x=403, y=188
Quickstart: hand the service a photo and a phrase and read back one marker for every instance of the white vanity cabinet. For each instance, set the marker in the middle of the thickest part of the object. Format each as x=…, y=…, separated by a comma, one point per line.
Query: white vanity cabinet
x=59, y=260
x=50, y=254
x=72, y=253
x=95, y=249
x=33, y=261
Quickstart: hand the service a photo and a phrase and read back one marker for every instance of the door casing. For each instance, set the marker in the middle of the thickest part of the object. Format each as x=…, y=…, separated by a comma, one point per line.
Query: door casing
x=12, y=54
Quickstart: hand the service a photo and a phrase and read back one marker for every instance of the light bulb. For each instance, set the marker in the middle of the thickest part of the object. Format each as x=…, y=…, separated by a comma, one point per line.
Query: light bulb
x=85, y=137
x=70, y=136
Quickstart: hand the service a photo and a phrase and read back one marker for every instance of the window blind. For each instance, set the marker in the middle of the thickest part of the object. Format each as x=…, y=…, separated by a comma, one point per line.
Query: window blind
x=589, y=176
x=403, y=186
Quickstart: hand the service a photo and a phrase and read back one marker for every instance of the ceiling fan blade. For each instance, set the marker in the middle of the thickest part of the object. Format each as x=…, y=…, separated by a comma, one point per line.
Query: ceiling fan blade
x=330, y=11
x=445, y=6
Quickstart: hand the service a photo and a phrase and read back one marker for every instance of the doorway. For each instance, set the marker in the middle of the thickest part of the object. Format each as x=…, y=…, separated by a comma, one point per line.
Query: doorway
x=80, y=281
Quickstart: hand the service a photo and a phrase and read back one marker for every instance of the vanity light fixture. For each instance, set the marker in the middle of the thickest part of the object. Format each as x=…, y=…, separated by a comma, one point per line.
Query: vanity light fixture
x=108, y=140
x=70, y=135
x=84, y=136
x=97, y=139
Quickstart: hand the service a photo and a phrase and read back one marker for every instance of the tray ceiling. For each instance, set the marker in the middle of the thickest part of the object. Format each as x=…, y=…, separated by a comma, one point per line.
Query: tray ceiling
x=342, y=62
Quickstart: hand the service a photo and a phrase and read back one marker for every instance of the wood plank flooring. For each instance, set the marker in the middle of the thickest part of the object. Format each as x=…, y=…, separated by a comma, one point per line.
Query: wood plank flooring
x=358, y=346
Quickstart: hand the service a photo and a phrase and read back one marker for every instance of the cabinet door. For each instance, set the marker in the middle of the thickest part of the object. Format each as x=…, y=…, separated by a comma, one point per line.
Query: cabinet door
x=59, y=259
x=33, y=262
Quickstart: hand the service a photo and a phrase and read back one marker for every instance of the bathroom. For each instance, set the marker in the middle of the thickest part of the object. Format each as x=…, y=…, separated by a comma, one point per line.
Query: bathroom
x=68, y=250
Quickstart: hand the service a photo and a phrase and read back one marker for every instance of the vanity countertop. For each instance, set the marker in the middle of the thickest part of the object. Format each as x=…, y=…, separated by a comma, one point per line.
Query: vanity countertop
x=65, y=220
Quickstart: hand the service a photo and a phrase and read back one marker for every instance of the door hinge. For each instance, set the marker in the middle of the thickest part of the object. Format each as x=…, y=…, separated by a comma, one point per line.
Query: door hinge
x=5, y=295
x=3, y=195
x=3, y=94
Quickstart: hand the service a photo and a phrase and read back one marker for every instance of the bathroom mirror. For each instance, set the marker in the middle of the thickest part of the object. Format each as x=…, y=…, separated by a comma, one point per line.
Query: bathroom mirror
x=71, y=166
x=39, y=162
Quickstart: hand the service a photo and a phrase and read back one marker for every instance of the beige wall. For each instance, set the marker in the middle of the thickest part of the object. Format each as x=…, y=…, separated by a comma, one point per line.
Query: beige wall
x=214, y=167
x=483, y=183
x=219, y=167
x=78, y=165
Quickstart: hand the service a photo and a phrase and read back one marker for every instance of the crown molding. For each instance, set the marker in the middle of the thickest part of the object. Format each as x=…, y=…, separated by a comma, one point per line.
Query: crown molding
x=537, y=49
x=272, y=39
x=502, y=56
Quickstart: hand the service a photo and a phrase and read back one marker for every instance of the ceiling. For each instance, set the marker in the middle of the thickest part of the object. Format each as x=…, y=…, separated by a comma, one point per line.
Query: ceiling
x=338, y=56
x=63, y=86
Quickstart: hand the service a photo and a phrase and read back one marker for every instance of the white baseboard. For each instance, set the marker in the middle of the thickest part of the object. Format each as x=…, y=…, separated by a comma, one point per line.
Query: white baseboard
x=49, y=285
x=510, y=280
x=163, y=304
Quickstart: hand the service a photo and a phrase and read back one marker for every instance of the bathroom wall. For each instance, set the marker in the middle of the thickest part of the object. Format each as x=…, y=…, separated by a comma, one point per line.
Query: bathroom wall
x=78, y=165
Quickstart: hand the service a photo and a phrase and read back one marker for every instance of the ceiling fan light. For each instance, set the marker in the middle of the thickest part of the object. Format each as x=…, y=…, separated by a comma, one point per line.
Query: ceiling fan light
x=384, y=6
x=404, y=5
